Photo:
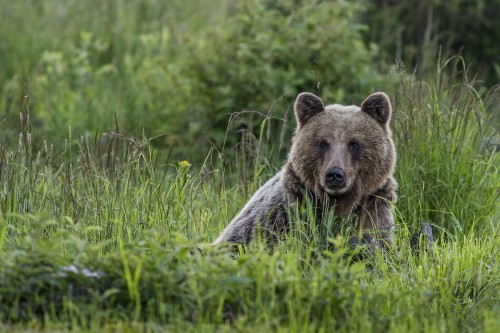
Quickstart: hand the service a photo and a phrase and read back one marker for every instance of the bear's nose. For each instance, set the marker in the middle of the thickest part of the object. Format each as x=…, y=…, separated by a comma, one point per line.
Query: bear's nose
x=335, y=177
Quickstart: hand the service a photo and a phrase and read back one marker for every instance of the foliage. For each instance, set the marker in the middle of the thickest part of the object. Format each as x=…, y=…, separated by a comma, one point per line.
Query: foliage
x=102, y=231
x=266, y=50
x=177, y=285
x=164, y=78
x=468, y=28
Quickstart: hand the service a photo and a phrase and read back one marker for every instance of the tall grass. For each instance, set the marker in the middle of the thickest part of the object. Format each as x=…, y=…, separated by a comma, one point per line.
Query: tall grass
x=100, y=231
x=447, y=171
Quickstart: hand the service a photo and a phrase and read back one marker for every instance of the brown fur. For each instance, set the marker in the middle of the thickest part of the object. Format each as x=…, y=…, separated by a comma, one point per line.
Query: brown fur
x=355, y=140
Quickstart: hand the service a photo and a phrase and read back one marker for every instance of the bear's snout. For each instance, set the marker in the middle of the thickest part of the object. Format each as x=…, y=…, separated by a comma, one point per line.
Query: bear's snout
x=335, y=178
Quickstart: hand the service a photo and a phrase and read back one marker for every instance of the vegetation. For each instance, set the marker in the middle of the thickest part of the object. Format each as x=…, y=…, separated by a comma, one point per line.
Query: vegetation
x=468, y=28
x=137, y=66
x=104, y=226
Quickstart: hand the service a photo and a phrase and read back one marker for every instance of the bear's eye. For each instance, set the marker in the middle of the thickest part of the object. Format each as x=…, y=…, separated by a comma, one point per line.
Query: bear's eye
x=354, y=146
x=323, y=144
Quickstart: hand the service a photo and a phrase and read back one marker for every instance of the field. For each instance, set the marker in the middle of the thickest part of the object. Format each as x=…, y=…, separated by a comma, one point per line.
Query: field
x=106, y=224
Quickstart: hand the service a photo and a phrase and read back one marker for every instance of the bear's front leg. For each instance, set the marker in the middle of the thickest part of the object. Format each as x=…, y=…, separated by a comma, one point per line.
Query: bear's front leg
x=376, y=219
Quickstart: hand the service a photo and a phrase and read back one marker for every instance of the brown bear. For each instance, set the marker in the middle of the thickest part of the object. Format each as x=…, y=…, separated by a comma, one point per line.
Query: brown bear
x=344, y=157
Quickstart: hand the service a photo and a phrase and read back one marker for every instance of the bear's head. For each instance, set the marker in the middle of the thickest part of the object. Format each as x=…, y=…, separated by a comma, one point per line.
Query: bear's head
x=343, y=152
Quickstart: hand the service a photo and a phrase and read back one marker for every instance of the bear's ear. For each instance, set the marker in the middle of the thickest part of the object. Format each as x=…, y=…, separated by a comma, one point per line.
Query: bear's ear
x=379, y=107
x=306, y=106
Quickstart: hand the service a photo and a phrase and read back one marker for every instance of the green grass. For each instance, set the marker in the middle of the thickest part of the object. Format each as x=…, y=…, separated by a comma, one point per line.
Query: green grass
x=106, y=233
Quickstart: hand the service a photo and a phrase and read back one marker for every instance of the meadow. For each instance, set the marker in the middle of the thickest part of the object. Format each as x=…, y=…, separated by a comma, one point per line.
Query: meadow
x=106, y=217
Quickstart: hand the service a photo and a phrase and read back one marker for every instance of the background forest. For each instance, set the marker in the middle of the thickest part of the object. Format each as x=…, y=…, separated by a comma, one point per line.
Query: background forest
x=133, y=131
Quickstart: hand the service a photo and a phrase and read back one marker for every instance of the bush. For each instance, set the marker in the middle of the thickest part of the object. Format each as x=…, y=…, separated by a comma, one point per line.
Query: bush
x=166, y=78
x=263, y=51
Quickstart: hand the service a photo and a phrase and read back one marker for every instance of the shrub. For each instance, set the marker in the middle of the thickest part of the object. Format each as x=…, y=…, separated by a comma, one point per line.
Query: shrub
x=157, y=73
x=262, y=51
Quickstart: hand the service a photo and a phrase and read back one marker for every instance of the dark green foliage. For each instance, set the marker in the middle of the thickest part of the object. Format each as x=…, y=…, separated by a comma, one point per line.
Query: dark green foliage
x=468, y=28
